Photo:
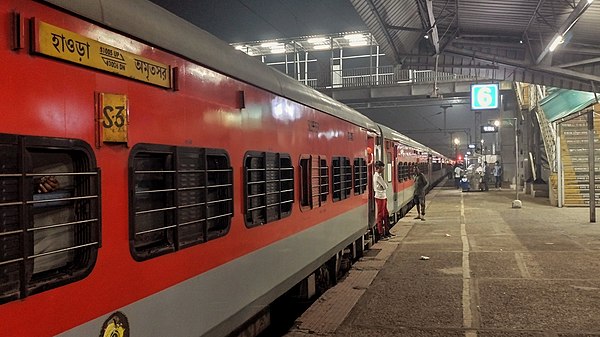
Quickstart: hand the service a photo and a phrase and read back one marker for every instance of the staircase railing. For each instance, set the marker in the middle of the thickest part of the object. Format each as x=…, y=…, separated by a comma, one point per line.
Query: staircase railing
x=529, y=97
x=546, y=128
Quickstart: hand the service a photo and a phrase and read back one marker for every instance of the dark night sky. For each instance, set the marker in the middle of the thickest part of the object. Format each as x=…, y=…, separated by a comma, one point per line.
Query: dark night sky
x=249, y=20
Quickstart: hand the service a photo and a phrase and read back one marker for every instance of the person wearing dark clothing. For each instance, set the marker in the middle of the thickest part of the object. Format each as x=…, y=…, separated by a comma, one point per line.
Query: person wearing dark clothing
x=498, y=174
x=421, y=184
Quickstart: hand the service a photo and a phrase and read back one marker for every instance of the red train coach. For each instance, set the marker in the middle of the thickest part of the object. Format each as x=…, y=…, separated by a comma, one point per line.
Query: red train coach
x=155, y=182
x=401, y=154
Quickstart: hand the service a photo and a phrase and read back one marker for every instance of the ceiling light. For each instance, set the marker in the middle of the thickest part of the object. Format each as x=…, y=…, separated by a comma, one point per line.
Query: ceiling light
x=426, y=36
x=354, y=37
x=358, y=43
x=590, y=1
x=317, y=40
x=321, y=46
x=240, y=47
x=270, y=44
x=278, y=50
x=557, y=40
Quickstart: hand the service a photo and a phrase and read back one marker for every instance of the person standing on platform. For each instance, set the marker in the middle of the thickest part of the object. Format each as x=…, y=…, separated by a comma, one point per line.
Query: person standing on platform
x=457, y=175
x=421, y=184
x=486, y=176
x=498, y=175
x=380, y=188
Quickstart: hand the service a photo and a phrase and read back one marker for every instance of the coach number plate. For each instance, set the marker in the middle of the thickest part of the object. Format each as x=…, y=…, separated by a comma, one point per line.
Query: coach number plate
x=113, y=117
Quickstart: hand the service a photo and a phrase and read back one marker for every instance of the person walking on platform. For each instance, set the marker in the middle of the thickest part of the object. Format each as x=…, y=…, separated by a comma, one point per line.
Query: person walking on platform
x=380, y=188
x=457, y=175
x=498, y=175
x=421, y=184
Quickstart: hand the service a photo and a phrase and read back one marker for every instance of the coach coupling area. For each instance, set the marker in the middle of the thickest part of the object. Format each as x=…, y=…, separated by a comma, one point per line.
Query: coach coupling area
x=475, y=267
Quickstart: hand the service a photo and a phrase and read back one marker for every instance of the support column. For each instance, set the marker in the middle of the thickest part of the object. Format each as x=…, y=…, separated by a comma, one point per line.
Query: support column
x=592, y=166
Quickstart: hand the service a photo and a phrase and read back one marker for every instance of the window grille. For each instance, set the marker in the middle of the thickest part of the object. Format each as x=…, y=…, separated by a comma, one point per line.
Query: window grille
x=180, y=196
x=323, y=178
x=403, y=171
x=341, y=172
x=269, y=194
x=47, y=238
x=360, y=176
x=314, y=181
x=400, y=172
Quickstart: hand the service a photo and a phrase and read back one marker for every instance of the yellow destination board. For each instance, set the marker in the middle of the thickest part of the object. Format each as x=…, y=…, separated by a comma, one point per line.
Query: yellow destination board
x=114, y=117
x=66, y=45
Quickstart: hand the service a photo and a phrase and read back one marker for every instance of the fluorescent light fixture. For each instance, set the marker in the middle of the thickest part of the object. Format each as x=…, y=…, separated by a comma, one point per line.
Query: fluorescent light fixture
x=270, y=44
x=240, y=47
x=557, y=40
x=317, y=40
x=321, y=46
x=358, y=43
x=354, y=37
x=590, y=1
x=277, y=50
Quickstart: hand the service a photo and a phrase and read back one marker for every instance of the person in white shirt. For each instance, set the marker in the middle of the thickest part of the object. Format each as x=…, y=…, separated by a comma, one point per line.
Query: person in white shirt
x=457, y=176
x=380, y=187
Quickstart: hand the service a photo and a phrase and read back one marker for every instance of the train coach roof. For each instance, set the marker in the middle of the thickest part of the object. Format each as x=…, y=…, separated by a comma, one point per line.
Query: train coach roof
x=155, y=25
x=402, y=139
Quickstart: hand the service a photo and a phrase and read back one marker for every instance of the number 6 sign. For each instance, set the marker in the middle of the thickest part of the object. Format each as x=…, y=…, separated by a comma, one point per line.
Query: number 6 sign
x=484, y=96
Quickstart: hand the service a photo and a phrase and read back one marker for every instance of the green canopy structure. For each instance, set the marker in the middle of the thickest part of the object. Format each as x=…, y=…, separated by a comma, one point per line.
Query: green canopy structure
x=562, y=103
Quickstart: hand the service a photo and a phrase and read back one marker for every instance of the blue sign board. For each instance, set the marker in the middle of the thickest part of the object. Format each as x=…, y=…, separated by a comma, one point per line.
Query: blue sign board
x=484, y=96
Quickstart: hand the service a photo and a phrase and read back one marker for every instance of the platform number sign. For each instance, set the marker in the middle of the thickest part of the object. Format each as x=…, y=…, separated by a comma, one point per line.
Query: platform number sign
x=484, y=96
x=113, y=117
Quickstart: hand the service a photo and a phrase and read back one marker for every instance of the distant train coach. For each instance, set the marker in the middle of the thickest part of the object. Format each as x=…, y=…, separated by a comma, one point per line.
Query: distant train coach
x=156, y=182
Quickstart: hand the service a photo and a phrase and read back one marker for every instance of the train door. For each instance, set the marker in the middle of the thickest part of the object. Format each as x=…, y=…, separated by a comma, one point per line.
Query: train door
x=371, y=158
x=430, y=168
x=389, y=161
x=394, y=173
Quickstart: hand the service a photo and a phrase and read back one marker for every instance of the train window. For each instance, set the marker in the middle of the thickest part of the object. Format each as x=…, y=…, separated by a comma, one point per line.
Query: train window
x=341, y=172
x=305, y=182
x=324, y=179
x=314, y=191
x=269, y=192
x=180, y=196
x=403, y=171
x=400, y=171
x=49, y=211
x=360, y=175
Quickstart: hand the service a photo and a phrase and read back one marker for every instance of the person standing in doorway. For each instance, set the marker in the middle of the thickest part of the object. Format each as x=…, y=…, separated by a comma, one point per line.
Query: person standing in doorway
x=421, y=184
x=380, y=188
x=498, y=175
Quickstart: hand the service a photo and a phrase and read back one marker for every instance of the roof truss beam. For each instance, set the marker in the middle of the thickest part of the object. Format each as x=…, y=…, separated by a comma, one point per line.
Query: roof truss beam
x=435, y=38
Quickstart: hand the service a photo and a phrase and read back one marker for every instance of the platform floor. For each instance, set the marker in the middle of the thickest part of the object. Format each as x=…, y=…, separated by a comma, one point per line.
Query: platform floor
x=493, y=271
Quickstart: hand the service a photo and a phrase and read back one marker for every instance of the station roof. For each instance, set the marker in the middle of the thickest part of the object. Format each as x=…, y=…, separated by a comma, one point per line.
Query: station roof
x=504, y=40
